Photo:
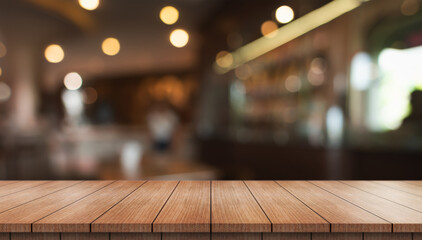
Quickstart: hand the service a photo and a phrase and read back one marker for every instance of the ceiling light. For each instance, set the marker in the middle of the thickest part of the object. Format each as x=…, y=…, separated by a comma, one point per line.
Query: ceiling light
x=169, y=15
x=72, y=81
x=179, y=38
x=89, y=4
x=111, y=46
x=284, y=14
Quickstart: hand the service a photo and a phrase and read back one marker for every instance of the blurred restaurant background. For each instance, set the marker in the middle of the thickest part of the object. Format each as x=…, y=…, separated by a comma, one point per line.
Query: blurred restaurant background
x=217, y=89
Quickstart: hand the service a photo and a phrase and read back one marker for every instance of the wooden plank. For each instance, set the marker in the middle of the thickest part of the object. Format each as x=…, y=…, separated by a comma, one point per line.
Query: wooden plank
x=286, y=236
x=4, y=236
x=136, y=212
x=404, y=219
x=35, y=236
x=417, y=236
x=387, y=236
x=236, y=236
x=19, y=219
x=78, y=216
x=19, y=198
x=85, y=236
x=14, y=187
x=286, y=212
x=343, y=216
x=137, y=236
x=402, y=186
x=419, y=183
x=3, y=183
x=187, y=210
x=186, y=236
x=337, y=236
x=403, y=198
x=234, y=209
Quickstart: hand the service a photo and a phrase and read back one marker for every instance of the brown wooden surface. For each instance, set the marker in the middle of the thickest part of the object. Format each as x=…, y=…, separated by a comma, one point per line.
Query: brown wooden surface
x=387, y=236
x=402, y=186
x=286, y=236
x=343, y=216
x=10, y=187
x=407, y=199
x=417, y=236
x=19, y=219
x=35, y=236
x=404, y=219
x=187, y=210
x=84, y=236
x=286, y=212
x=22, y=197
x=236, y=236
x=234, y=209
x=78, y=216
x=212, y=209
x=186, y=236
x=137, y=236
x=136, y=212
x=337, y=236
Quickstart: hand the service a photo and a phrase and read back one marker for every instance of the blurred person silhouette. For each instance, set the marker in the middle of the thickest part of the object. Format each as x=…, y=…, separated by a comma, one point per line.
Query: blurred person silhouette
x=410, y=132
x=162, y=122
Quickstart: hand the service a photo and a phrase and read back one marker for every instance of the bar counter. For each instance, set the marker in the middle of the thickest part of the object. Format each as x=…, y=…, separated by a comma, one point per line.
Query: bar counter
x=268, y=210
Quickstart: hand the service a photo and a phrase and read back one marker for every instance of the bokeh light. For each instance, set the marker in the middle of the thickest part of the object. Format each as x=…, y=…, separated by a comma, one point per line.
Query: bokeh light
x=89, y=4
x=169, y=15
x=224, y=59
x=409, y=7
x=284, y=14
x=73, y=81
x=179, y=38
x=269, y=29
x=293, y=83
x=243, y=72
x=316, y=74
x=1, y=71
x=5, y=92
x=3, y=50
x=54, y=53
x=111, y=46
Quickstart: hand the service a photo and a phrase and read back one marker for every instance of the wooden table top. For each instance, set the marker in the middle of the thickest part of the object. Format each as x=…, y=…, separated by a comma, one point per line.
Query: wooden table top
x=211, y=206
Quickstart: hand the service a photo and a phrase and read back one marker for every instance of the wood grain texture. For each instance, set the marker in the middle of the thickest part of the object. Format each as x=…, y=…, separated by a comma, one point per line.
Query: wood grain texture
x=14, y=186
x=236, y=236
x=342, y=215
x=387, y=236
x=4, y=236
x=19, y=198
x=402, y=186
x=406, y=199
x=418, y=183
x=19, y=219
x=78, y=216
x=186, y=236
x=234, y=209
x=286, y=236
x=417, y=236
x=286, y=212
x=2, y=183
x=337, y=236
x=187, y=210
x=35, y=236
x=404, y=219
x=136, y=212
x=133, y=236
x=84, y=236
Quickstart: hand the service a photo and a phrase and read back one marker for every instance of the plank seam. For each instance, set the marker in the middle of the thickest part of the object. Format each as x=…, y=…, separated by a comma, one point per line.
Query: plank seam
x=385, y=185
x=381, y=197
x=354, y=204
x=69, y=205
x=152, y=224
x=90, y=225
x=22, y=189
x=411, y=183
x=259, y=205
x=41, y=196
x=303, y=203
